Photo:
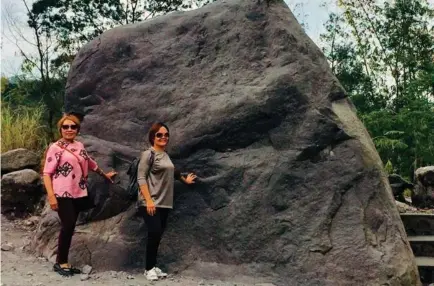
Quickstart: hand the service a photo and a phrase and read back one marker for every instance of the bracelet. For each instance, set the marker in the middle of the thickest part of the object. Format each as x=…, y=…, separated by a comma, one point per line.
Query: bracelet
x=100, y=172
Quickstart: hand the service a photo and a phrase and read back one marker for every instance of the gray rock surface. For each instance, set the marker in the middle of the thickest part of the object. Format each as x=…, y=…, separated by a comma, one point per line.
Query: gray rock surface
x=19, y=159
x=21, y=191
x=87, y=269
x=423, y=194
x=290, y=187
x=7, y=247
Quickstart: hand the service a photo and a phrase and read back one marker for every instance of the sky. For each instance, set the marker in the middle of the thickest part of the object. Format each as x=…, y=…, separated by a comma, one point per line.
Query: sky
x=311, y=12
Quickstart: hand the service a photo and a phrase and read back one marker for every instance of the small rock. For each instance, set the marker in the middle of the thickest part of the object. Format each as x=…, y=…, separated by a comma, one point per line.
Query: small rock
x=130, y=277
x=201, y=283
x=30, y=273
x=31, y=221
x=113, y=274
x=39, y=284
x=87, y=269
x=7, y=247
x=84, y=277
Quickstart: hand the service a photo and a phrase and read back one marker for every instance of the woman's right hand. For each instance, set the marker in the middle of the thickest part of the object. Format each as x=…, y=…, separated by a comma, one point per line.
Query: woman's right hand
x=150, y=208
x=53, y=203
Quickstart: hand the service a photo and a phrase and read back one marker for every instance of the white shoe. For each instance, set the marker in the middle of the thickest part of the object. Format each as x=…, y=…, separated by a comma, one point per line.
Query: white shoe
x=160, y=272
x=151, y=275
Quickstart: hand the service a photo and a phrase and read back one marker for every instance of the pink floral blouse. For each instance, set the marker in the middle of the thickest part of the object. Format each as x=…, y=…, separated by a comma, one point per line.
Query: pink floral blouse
x=69, y=179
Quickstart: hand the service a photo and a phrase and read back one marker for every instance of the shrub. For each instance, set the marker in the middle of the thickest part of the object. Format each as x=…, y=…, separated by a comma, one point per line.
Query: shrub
x=22, y=128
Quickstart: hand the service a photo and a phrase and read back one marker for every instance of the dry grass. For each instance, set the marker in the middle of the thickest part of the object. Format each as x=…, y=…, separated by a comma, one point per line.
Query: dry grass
x=22, y=128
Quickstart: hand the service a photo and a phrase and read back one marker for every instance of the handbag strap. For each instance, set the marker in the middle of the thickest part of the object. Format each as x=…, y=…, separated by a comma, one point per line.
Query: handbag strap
x=151, y=162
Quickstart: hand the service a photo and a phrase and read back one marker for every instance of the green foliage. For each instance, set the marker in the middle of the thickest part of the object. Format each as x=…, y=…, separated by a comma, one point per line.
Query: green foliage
x=388, y=168
x=60, y=28
x=21, y=128
x=25, y=93
x=4, y=84
x=406, y=137
x=382, y=53
x=76, y=22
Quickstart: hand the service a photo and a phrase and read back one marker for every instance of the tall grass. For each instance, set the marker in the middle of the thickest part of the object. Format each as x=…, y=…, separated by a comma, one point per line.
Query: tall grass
x=22, y=128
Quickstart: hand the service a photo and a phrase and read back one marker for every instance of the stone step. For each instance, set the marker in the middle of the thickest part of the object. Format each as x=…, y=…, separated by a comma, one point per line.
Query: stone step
x=423, y=261
x=426, y=269
x=422, y=245
x=421, y=238
x=418, y=224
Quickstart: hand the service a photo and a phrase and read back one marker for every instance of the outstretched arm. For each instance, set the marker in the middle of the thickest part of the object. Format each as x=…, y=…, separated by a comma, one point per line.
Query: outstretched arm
x=94, y=167
x=189, y=179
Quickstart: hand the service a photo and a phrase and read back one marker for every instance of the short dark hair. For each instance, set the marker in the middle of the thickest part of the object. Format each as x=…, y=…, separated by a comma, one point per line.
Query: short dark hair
x=154, y=129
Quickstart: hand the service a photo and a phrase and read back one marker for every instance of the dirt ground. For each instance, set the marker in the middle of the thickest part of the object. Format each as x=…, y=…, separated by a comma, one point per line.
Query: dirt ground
x=19, y=268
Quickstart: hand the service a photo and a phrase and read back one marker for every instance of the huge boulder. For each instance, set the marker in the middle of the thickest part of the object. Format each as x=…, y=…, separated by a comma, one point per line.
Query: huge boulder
x=291, y=186
x=423, y=193
x=21, y=192
x=18, y=159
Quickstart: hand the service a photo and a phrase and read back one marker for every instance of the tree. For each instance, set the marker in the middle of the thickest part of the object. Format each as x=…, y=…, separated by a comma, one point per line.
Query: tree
x=59, y=28
x=4, y=84
x=395, y=42
x=349, y=68
x=382, y=53
x=76, y=22
x=41, y=62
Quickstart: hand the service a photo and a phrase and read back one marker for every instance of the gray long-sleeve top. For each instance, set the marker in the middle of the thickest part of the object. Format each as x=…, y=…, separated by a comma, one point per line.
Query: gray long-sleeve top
x=160, y=180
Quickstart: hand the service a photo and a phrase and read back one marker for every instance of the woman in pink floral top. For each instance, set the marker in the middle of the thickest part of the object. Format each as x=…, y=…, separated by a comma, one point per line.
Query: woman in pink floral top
x=66, y=169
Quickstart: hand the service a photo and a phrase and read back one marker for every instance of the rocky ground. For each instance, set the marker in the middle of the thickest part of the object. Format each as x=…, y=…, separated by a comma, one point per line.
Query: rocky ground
x=19, y=268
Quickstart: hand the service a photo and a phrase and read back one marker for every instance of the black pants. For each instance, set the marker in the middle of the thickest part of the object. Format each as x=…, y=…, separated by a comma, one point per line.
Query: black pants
x=68, y=210
x=156, y=225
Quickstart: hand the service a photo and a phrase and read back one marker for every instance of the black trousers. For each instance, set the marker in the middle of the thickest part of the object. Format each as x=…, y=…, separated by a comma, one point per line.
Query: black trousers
x=68, y=210
x=156, y=225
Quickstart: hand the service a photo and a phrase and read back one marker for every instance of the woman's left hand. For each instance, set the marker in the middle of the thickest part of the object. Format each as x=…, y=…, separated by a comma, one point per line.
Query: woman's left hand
x=190, y=179
x=110, y=175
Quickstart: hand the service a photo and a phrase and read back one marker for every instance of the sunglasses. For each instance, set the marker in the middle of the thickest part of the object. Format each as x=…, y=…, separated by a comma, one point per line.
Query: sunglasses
x=72, y=127
x=161, y=135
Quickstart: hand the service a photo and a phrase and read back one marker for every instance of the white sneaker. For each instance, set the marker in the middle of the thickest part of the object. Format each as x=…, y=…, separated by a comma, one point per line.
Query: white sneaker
x=151, y=275
x=160, y=272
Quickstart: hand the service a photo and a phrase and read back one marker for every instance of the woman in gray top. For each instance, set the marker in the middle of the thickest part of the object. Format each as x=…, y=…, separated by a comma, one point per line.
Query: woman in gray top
x=156, y=175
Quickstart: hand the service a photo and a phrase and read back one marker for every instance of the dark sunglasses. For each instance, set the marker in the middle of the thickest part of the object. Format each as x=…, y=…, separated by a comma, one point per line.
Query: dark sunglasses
x=161, y=135
x=72, y=127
